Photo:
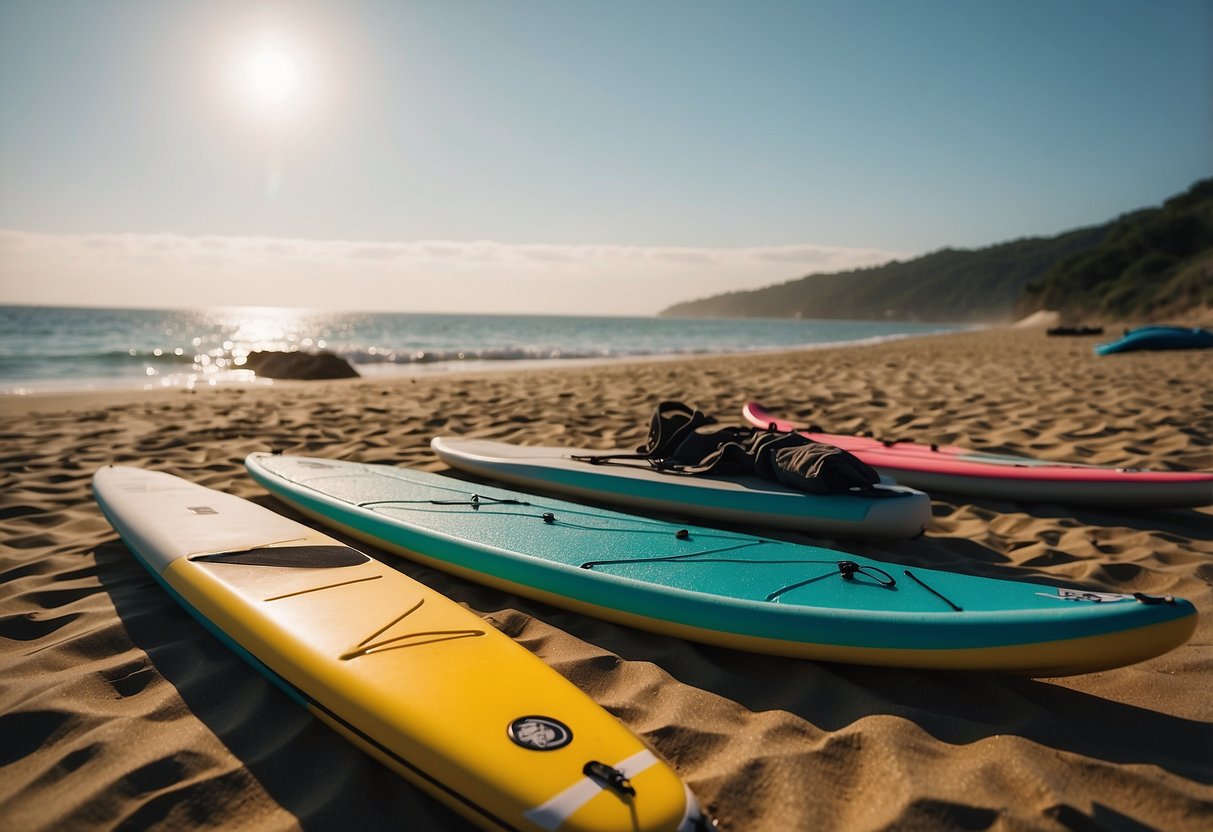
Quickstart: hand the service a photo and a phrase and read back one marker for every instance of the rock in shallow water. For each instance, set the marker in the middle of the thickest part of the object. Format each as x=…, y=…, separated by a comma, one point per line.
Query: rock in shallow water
x=299, y=365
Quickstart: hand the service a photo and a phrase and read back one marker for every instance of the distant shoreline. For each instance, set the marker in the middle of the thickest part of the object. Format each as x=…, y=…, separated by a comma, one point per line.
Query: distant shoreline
x=80, y=350
x=47, y=398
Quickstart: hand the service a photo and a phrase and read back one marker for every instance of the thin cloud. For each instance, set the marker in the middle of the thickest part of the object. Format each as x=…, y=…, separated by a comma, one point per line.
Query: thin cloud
x=174, y=270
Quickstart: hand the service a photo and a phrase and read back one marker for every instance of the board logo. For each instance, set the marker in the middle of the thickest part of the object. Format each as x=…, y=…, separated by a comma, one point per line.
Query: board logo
x=540, y=733
x=1064, y=594
x=202, y=509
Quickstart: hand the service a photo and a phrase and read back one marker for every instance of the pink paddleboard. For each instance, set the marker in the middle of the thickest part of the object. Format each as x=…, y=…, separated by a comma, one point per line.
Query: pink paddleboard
x=962, y=471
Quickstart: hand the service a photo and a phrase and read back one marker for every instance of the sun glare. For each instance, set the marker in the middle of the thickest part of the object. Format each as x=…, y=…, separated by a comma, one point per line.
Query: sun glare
x=273, y=75
x=270, y=77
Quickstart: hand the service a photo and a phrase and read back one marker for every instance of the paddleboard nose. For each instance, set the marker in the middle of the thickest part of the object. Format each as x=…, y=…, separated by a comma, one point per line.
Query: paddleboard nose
x=695, y=820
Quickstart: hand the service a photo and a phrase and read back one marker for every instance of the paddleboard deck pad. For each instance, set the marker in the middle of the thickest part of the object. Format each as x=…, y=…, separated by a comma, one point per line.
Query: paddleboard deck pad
x=887, y=511
x=409, y=676
x=727, y=588
x=958, y=470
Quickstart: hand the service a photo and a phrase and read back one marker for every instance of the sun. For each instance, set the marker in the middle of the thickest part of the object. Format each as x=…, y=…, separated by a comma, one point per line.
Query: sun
x=270, y=77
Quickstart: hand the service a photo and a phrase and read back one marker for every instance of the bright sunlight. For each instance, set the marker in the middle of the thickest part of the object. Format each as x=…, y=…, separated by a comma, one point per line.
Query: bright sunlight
x=270, y=75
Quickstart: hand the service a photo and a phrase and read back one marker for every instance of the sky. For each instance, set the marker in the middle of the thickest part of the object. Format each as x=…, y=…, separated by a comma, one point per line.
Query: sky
x=568, y=157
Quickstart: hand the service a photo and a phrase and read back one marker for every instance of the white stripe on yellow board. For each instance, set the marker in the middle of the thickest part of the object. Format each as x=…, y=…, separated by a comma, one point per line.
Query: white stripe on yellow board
x=560, y=808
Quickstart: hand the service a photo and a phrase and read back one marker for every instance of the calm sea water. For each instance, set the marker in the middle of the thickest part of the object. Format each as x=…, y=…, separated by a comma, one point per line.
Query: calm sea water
x=57, y=348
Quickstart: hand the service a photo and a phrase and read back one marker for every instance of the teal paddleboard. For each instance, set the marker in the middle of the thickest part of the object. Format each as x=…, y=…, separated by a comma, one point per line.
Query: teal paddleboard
x=730, y=589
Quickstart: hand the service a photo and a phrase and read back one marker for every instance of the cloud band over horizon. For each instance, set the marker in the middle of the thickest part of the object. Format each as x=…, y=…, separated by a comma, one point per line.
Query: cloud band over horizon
x=480, y=276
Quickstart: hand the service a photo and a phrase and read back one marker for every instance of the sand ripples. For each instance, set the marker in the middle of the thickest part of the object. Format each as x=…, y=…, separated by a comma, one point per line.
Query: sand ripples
x=117, y=709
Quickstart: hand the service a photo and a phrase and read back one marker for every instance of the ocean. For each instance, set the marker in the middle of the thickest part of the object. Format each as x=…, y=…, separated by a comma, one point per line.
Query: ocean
x=49, y=349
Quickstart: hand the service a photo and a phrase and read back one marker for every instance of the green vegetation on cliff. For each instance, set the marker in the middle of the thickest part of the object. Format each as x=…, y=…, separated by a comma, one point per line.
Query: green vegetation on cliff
x=1151, y=262
x=1155, y=263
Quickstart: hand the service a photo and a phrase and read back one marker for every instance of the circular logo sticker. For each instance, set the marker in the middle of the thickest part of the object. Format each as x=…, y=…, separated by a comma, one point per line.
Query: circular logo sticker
x=540, y=733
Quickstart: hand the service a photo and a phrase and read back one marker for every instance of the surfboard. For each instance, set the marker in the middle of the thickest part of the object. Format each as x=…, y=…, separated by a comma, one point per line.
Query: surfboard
x=409, y=676
x=727, y=588
x=886, y=511
x=958, y=470
x=1159, y=337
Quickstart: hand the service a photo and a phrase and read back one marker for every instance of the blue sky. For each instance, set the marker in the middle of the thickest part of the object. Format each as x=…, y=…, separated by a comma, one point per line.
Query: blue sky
x=568, y=156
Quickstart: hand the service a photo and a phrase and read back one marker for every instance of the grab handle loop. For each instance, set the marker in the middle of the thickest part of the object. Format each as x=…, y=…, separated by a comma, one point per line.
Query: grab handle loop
x=611, y=778
x=850, y=569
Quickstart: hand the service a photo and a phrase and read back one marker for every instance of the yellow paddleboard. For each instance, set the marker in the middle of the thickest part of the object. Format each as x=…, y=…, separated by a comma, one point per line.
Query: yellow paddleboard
x=417, y=681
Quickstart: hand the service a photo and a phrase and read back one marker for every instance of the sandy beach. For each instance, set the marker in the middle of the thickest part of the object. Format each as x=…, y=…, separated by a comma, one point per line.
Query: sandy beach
x=117, y=709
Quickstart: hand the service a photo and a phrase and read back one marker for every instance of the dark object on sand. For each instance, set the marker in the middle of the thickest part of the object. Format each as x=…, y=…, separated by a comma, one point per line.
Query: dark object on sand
x=1076, y=330
x=299, y=365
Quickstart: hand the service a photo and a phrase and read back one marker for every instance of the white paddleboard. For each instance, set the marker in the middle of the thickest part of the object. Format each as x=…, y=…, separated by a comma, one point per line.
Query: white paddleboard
x=886, y=511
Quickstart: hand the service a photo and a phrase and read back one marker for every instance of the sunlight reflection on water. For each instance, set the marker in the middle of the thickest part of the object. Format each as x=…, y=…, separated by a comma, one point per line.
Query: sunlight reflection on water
x=76, y=348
